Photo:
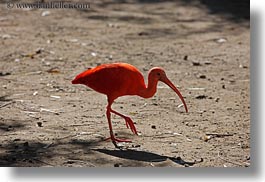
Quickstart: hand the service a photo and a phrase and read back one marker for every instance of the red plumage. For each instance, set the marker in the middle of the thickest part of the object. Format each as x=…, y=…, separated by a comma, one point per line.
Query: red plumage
x=113, y=80
x=120, y=79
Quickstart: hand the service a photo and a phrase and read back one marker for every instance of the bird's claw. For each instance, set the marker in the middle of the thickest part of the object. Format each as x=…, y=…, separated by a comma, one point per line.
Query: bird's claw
x=112, y=138
x=117, y=140
x=129, y=123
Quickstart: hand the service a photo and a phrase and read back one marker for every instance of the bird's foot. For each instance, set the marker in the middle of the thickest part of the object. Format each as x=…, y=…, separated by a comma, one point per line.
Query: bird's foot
x=129, y=123
x=115, y=140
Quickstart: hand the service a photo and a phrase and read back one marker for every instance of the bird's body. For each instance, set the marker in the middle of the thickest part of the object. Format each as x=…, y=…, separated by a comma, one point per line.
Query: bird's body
x=120, y=79
x=114, y=80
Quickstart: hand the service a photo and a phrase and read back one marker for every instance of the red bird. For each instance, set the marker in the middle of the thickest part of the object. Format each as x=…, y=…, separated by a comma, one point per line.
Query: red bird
x=120, y=79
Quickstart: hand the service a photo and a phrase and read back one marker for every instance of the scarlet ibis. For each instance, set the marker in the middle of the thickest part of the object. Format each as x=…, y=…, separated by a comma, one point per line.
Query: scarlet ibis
x=120, y=79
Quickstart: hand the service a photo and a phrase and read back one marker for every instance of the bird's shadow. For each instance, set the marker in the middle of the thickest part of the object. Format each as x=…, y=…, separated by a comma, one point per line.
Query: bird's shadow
x=145, y=156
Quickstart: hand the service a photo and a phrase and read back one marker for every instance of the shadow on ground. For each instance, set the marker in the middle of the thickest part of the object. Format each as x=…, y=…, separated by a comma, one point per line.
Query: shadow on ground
x=236, y=10
x=144, y=156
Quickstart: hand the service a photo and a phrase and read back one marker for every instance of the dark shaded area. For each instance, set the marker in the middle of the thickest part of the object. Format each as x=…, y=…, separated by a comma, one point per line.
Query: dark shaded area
x=131, y=19
x=145, y=156
x=18, y=153
x=85, y=144
x=24, y=154
x=11, y=127
x=234, y=10
x=5, y=98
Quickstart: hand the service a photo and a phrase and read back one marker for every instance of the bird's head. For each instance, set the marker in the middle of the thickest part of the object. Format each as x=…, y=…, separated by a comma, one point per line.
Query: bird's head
x=158, y=74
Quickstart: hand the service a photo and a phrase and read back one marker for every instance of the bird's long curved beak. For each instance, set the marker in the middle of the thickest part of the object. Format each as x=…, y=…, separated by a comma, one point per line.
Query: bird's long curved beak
x=170, y=84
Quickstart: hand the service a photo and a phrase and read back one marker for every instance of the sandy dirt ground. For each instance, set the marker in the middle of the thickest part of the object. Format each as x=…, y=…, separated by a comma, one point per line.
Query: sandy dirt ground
x=203, y=46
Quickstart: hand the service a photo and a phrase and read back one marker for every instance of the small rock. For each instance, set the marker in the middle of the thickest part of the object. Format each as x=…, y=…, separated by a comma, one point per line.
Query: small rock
x=110, y=57
x=207, y=137
x=136, y=146
x=223, y=86
x=202, y=76
x=194, y=63
x=6, y=36
x=242, y=66
x=35, y=93
x=153, y=127
x=39, y=50
x=55, y=96
x=118, y=165
x=201, y=97
x=5, y=73
x=39, y=124
x=143, y=33
x=185, y=58
x=178, y=158
x=45, y=13
x=70, y=162
x=93, y=54
x=221, y=40
x=73, y=40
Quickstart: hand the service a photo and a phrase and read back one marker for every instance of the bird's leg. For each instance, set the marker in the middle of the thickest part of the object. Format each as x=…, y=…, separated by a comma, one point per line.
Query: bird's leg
x=129, y=122
x=113, y=139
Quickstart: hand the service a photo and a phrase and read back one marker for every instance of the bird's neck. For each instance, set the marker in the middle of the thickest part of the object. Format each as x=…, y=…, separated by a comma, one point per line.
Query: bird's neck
x=150, y=89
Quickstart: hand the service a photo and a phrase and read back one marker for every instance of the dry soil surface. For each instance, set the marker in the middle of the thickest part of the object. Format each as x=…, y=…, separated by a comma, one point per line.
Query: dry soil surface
x=204, y=48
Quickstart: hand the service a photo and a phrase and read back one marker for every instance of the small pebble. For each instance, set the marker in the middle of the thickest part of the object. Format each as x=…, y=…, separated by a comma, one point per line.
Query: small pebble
x=143, y=33
x=136, y=146
x=93, y=54
x=70, y=162
x=196, y=63
x=45, y=13
x=5, y=73
x=117, y=165
x=202, y=76
x=201, y=97
x=39, y=124
x=153, y=127
x=221, y=40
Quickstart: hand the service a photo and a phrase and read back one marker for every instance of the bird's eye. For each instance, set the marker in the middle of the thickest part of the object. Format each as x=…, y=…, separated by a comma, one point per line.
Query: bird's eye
x=158, y=74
